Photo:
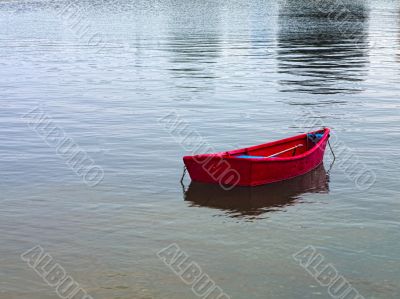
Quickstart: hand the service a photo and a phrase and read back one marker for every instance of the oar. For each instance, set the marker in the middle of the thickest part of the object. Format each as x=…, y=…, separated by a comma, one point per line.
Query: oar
x=286, y=150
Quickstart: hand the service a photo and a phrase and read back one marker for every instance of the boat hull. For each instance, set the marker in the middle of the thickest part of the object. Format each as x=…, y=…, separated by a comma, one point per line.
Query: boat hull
x=227, y=169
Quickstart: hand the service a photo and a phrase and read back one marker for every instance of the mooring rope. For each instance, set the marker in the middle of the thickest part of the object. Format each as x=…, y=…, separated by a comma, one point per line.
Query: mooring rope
x=182, y=184
x=333, y=161
x=183, y=174
x=334, y=157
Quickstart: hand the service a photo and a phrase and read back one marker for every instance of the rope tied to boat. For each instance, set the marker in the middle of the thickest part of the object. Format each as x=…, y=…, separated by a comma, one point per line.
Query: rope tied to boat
x=333, y=161
x=182, y=184
x=330, y=147
x=183, y=174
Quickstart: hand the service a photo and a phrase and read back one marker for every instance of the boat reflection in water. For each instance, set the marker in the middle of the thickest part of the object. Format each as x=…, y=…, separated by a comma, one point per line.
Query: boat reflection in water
x=252, y=202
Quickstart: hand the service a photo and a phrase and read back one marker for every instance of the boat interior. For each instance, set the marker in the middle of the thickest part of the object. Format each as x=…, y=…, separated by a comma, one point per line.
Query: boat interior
x=285, y=148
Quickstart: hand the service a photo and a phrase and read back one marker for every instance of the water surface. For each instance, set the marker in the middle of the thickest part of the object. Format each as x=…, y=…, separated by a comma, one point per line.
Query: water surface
x=238, y=73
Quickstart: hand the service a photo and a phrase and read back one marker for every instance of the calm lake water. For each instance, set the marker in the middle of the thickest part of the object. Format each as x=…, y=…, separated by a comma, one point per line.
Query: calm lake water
x=237, y=73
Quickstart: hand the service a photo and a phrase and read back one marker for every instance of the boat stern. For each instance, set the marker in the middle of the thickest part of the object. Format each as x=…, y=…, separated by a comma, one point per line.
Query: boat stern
x=218, y=169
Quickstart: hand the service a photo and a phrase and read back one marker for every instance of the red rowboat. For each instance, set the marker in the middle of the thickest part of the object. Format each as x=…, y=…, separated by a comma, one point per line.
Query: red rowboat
x=261, y=164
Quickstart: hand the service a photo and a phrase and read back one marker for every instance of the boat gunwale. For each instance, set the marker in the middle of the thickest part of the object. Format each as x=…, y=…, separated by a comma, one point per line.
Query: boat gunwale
x=227, y=155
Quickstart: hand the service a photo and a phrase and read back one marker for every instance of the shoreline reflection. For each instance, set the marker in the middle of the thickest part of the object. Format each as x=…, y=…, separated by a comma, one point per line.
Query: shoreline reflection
x=323, y=51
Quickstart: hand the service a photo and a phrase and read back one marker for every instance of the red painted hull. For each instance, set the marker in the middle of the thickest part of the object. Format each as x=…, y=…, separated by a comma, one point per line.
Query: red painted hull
x=230, y=169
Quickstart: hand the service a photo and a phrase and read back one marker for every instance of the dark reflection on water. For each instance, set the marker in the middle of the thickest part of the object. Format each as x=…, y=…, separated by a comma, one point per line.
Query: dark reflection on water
x=398, y=38
x=192, y=54
x=252, y=202
x=194, y=43
x=320, y=51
